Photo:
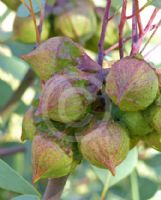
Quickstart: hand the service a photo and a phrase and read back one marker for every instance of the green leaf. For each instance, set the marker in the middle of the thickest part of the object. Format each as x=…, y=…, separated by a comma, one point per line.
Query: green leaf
x=12, y=181
x=6, y=90
x=14, y=66
x=150, y=188
x=18, y=48
x=116, y=4
x=23, y=12
x=156, y=3
x=26, y=197
x=4, y=36
x=122, y=171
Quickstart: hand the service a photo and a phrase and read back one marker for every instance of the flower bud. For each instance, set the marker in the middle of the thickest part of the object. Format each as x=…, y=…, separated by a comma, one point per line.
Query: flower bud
x=153, y=140
x=77, y=20
x=153, y=116
x=24, y=30
x=134, y=141
x=28, y=126
x=51, y=159
x=132, y=84
x=105, y=145
x=59, y=54
x=134, y=122
x=65, y=98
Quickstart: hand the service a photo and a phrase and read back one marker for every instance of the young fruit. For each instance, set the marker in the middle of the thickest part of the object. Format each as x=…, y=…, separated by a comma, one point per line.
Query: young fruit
x=136, y=124
x=59, y=54
x=134, y=121
x=132, y=84
x=28, y=126
x=105, y=145
x=65, y=99
x=153, y=140
x=50, y=159
x=77, y=20
x=134, y=141
x=24, y=30
x=12, y=4
x=153, y=116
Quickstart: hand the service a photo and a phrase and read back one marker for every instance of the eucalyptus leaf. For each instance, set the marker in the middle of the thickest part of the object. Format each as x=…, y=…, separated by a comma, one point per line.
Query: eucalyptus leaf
x=122, y=171
x=150, y=188
x=12, y=181
x=26, y=197
x=6, y=90
x=13, y=65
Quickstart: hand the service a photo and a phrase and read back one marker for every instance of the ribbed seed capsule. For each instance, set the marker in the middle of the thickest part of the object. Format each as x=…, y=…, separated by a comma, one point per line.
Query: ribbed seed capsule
x=105, y=145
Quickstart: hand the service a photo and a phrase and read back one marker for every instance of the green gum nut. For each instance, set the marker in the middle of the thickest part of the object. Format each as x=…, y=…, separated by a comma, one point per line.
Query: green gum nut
x=134, y=141
x=136, y=124
x=50, y=159
x=77, y=21
x=24, y=30
x=153, y=140
x=59, y=54
x=105, y=145
x=28, y=126
x=132, y=84
x=153, y=116
x=65, y=99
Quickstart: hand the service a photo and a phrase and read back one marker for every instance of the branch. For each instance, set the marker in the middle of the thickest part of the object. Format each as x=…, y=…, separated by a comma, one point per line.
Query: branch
x=149, y=24
x=26, y=82
x=103, y=32
x=55, y=188
x=141, y=30
x=134, y=31
x=150, y=38
x=116, y=45
x=31, y=11
x=137, y=11
x=147, y=28
x=121, y=28
x=12, y=150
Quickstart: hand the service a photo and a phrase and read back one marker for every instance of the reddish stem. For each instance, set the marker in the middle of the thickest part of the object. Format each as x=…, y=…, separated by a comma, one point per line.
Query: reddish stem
x=137, y=11
x=42, y=16
x=153, y=33
x=121, y=28
x=134, y=31
x=103, y=32
x=154, y=26
x=30, y=9
x=141, y=30
x=116, y=46
x=35, y=24
x=107, y=51
x=147, y=28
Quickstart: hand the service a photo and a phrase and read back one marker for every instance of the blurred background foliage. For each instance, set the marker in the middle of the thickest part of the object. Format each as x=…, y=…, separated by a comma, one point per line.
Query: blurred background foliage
x=139, y=176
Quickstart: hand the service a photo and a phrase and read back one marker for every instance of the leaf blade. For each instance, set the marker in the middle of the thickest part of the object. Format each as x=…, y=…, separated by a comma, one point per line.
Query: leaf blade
x=12, y=181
